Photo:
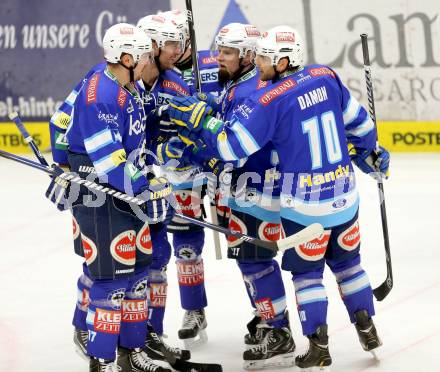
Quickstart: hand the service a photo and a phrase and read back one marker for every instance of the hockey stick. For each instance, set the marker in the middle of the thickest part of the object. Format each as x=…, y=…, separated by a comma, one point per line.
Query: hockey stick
x=198, y=86
x=382, y=291
x=303, y=236
x=27, y=137
x=179, y=364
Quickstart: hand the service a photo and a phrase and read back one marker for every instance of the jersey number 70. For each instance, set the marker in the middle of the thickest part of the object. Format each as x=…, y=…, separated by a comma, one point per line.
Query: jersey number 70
x=325, y=124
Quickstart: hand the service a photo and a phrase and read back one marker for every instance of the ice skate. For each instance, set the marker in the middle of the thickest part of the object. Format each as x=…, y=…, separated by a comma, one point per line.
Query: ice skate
x=193, y=331
x=80, y=338
x=101, y=365
x=317, y=358
x=153, y=348
x=367, y=332
x=255, y=336
x=275, y=350
x=135, y=360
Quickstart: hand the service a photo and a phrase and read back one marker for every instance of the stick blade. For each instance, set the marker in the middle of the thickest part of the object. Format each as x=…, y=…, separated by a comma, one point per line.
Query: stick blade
x=308, y=233
x=383, y=290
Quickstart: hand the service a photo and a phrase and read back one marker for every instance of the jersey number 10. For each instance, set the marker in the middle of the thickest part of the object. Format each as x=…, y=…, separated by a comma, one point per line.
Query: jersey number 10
x=325, y=124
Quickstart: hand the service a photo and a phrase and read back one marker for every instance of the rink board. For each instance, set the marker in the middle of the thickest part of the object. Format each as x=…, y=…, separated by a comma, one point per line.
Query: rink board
x=396, y=136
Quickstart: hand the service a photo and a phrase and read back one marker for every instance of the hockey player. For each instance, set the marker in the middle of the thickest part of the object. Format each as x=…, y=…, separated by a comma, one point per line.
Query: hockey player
x=107, y=136
x=254, y=205
x=310, y=116
x=188, y=239
x=208, y=66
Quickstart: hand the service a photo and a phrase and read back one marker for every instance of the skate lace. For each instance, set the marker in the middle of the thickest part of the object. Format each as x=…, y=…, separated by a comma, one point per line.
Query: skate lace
x=268, y=338
x=192, y=318
x=144, y=362
x=84, y=336
x=159, y=340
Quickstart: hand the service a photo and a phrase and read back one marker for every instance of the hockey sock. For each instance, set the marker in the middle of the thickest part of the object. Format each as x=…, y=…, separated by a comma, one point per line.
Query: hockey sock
x=134, y=314
x=190, y=272
x=266, y=288
x=104, y=317
x=355, y=288
x=157, y=285
x=311, y=299
x=82, y=304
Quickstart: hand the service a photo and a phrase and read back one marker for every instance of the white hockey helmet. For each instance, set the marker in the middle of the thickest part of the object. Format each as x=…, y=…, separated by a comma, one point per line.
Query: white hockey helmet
x=280, y=42
x=161, y=30
x=180, y=19
x=239, y=36
x=126, y=38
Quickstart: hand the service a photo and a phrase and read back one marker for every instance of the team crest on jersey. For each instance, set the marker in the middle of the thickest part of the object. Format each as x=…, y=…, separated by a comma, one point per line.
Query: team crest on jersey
x=277, y=91
x=75, y=228
x=91, y=93
x=123, y=247
x=320, y=71
x=315, y=249
x=143, y=240
x=285, y=37
x=122, y=97
x=350, y=238
x=269, y=231
x=172, y=85
x=236, y=224
x=189, y=202
x=89, y=249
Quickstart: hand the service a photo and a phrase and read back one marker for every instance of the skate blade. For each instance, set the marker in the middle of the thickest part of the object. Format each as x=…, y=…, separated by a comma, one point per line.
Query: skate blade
x=316, y=369
x=194, y=343
x=375, y=356
x=81, y=354
x=284, y=360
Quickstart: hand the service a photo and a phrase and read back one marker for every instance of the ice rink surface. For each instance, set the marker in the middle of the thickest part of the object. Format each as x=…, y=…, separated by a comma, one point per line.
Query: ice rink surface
x=38, y=273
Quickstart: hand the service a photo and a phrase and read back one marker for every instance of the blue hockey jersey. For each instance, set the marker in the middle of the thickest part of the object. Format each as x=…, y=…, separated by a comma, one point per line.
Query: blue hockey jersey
x=109, y=126
x=260, y=198
x=208, y=68
x=60, y=120
x=309, y=116
x=168, y=84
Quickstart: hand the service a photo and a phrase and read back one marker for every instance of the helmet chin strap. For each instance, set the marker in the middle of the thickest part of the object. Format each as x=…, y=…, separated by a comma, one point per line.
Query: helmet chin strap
x=240, y=72
x=130, y=70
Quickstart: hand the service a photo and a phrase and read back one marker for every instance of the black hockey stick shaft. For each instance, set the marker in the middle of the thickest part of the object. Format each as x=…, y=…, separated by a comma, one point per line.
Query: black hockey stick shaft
x=306, y=234
x=27, y=137
x=382, y=291
x=192, y=35
x=198, y=86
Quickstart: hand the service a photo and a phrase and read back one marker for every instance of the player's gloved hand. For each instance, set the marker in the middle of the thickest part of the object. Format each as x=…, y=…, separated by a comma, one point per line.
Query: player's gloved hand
x=210, y=99
x=170, y=150
x=376, y=163
x=188, y=112
x=58, y=188
x=160, y=201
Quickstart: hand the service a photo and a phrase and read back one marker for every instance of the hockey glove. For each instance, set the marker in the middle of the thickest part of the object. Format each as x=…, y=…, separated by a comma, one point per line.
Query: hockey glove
x=58, y=188
x=188, y=112
x=160, y=203
x=170, y=150
x=211, y=100
x=376, y=163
